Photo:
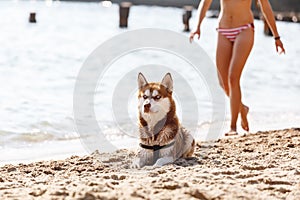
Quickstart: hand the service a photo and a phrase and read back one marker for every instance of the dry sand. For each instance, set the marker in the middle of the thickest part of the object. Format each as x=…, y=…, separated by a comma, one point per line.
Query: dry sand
x=264, y=165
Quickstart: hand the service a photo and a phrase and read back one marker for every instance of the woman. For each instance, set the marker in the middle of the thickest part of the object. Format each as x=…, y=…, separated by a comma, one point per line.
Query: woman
x=235, y=41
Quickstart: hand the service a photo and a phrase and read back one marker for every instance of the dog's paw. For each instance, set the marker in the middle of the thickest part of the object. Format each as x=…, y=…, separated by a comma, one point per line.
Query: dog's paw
x=163, y=161
x=135, y=164
x=157, y=165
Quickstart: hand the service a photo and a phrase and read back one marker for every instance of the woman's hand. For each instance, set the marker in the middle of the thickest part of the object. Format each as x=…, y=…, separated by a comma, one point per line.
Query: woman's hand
x=278, y=43
x=193, y=33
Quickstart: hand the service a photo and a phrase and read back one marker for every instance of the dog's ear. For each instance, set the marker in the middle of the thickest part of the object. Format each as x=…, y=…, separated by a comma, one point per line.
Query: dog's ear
x=141, y=80
x=167, y=81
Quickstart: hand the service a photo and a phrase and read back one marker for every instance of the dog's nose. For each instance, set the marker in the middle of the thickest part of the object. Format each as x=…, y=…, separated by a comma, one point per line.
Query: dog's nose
x=147, y=107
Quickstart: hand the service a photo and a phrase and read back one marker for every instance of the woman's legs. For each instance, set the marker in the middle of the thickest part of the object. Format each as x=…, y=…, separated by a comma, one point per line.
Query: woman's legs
x=240, y=52
x=223, y=58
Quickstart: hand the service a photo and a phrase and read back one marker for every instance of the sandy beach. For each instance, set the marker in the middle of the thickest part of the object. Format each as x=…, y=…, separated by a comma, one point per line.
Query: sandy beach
x=263, y=165
x=41, y=65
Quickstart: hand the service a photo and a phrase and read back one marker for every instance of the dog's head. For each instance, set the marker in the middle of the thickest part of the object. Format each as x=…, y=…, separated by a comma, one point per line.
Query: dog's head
x=155, y=99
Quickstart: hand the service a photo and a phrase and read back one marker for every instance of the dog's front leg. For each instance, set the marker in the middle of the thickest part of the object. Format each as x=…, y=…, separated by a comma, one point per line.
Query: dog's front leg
x=140, y=160
x=163, y=161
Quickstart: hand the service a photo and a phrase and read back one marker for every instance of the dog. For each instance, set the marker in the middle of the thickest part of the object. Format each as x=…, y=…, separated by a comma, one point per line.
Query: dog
x=162, y=139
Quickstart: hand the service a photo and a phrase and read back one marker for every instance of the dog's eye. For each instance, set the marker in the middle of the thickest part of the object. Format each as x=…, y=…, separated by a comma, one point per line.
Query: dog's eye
x=145, y=96
x=157, y=97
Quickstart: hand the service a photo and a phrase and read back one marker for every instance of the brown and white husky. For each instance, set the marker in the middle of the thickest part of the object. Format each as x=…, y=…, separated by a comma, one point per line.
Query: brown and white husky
x=162, y=138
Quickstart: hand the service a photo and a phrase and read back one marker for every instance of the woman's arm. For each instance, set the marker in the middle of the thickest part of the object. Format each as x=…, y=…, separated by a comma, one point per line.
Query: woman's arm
x=269, y=16
x=202, y=9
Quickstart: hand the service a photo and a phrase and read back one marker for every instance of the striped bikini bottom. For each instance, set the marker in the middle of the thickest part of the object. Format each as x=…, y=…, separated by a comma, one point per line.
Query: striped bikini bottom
x=232, y=33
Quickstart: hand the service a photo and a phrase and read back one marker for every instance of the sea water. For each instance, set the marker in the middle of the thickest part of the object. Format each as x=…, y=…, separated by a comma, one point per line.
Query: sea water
x=39, y=64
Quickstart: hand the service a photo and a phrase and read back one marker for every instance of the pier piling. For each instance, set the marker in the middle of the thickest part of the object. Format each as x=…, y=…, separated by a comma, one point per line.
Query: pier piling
x=32, y=17
x=124, y=8
x=186, y=17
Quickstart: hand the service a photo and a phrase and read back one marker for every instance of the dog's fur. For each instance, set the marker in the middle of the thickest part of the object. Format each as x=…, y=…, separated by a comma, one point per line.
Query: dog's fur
x=159, y=125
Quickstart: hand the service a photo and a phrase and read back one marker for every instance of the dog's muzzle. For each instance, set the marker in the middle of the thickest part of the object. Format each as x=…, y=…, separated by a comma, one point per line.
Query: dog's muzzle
x=147, y=107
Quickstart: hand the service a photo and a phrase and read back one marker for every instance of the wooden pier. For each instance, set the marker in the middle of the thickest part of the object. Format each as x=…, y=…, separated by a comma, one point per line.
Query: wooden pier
x=287, y=10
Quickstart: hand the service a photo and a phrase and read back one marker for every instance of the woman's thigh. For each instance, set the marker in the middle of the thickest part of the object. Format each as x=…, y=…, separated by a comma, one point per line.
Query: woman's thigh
x=241, y=50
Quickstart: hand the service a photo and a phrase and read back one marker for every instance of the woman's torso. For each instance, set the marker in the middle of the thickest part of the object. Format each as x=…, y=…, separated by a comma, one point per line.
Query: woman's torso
x=235, y=13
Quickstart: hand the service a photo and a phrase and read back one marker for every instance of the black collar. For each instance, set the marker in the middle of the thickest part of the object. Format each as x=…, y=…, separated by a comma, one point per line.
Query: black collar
x=156, y=147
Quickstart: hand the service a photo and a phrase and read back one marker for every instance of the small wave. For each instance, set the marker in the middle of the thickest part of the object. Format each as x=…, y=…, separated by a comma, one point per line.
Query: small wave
x=4, y=133
x=19, y=139
x=33, y=137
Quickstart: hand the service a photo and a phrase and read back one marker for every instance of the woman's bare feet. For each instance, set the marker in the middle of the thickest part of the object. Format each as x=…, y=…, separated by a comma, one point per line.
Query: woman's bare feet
x=231, y=132
x=244, y=120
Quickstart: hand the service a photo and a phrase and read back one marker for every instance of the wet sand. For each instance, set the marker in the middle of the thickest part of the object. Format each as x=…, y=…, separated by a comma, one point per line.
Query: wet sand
x=264, y=165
